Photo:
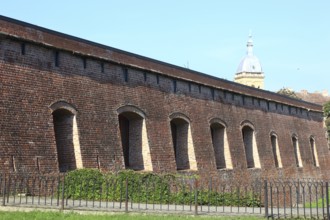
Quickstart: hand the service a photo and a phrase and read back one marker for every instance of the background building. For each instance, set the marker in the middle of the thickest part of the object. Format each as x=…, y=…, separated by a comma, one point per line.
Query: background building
x=316, y=97
x=249, y=71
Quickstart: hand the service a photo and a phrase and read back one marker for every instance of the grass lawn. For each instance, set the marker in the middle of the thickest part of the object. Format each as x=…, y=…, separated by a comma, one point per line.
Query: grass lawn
x=319, y=204
x=38, y=215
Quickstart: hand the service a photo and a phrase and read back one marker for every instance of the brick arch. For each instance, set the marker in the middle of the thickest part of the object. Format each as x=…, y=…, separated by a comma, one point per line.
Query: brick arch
x=182, y=141
x=179, y=115
x=275, y=149
x=218, y=121
x=133, y=109
x=250, y=144
x=247, y=123
x=134, y=138
x=66, y=136
x=294, y=135
x=273, y=133
x=220, y=144
x=63, y=105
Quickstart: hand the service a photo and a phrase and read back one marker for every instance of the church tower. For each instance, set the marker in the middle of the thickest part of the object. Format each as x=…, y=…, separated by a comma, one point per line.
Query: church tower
x=249, y=71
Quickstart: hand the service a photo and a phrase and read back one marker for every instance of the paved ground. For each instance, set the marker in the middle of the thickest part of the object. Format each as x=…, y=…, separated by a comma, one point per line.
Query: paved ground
x=22, y=202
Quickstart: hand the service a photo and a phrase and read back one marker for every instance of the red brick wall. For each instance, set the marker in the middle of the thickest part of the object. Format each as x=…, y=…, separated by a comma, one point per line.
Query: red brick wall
x=31, y=83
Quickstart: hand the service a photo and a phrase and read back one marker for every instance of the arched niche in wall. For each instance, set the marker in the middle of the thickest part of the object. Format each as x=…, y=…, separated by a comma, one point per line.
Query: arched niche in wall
x=275, y=150
x=315, y=157
x=296, y=149
x=250, y=145
x=134, y=138
x=182, y=141
x=218, y=129
x=66, y=136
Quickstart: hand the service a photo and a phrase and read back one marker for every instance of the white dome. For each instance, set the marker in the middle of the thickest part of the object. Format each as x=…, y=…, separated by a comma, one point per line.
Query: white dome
x=249, y=63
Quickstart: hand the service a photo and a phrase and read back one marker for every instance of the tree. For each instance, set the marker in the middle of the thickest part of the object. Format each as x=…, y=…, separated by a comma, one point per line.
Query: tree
x=326, y=109
x=327, y=124
x=326, y=113
x=288, y=92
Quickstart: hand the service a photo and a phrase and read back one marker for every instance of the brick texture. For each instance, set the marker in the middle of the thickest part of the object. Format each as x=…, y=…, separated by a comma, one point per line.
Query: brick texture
x=99, y=81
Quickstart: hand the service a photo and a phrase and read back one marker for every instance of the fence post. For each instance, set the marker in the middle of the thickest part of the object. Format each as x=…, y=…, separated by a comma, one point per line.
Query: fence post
x=196, y=197
x=4, y=191
x=266, y=198
x=327, y=199
x=126, y=195
x=8, y=190
x=63, y=185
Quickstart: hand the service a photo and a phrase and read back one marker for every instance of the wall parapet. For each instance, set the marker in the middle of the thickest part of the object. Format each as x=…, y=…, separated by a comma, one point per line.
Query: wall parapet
x=49, y=38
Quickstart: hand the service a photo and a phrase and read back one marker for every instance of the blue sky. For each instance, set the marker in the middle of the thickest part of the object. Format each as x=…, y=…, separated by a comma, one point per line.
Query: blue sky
x=291, y=38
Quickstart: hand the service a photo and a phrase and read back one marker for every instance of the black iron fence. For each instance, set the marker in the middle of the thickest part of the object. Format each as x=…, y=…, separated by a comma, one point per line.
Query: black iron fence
x=297, y=198
x=270, y=198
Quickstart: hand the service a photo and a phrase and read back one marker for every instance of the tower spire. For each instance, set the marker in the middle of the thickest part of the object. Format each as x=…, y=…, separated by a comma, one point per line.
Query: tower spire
x=250, y=45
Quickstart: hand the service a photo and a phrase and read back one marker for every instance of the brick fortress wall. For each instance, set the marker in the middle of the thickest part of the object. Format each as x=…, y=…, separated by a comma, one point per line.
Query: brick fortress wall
x=119, y=105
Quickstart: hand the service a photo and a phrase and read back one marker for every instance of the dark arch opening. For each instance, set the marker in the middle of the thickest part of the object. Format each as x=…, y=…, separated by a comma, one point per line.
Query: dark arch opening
x=247, y=133
x=273, y=140
x=218, y=141
x=179, y=130
x=130, y=125
x=63, y=128
x=314, y=156
x=295, y=148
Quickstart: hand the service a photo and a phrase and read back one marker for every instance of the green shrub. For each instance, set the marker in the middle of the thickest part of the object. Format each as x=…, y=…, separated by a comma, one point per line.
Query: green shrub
x=83, y=183
x=91, y=184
